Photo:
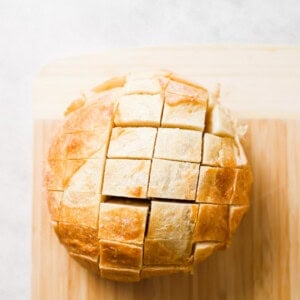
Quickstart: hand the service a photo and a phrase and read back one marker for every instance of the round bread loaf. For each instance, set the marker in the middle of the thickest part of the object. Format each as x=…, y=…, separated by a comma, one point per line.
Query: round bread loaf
x=146, y=176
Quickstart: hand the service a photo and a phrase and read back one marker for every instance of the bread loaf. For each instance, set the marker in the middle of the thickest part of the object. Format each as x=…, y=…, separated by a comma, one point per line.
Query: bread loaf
x=146, y=176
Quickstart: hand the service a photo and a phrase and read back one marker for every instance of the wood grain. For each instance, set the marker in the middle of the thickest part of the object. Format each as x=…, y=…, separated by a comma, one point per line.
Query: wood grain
x=262, y=85
x=262, y=262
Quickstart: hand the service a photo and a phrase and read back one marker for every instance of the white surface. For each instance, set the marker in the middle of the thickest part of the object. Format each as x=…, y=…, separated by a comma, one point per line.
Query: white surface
x=36, y=32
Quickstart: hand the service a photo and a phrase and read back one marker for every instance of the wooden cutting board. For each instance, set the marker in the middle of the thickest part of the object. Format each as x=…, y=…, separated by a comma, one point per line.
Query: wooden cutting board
x=262, y=86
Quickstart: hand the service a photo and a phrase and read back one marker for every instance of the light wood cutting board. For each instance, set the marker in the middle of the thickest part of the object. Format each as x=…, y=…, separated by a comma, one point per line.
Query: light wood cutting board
x=262, y=86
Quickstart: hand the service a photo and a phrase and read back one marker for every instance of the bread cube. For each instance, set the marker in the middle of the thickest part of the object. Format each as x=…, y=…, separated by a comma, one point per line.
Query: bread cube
x=120, y=255
x=212, y=223
x=216, y=185
x=219, y=121
x=219, y=151
x=167, y=252
x=183, y=112
x=126, y=178
x=123, y=222
x=169, y=220
x=132, y=142
x=242, y=188
x=178, y=144
x=173, y=179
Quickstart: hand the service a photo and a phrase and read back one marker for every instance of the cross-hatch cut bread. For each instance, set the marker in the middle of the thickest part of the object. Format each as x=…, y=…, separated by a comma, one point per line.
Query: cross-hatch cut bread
x=146, y=177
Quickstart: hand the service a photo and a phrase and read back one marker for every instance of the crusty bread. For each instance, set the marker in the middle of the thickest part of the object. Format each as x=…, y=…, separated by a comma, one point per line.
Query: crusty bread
x=146, y=176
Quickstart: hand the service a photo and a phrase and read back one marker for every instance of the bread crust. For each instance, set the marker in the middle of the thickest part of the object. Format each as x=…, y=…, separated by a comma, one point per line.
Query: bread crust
x=178, y=144
x=120, y=255
x=216, y=185
x=212, y=223
x=79, y=239
x=145, y=177
x=54, y=174
x=184, y=112
x=80, y=208
x=123, y=222
x=120, y=274
x=54, y=199
x=167, y=251
x=151, y=271
x=242, y=189
x=185, y=88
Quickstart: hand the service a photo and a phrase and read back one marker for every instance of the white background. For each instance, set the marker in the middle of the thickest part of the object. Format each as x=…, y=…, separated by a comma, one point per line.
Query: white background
x=33, y=33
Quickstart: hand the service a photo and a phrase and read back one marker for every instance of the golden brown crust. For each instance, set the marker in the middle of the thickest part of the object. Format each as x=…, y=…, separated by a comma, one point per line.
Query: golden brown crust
x=151, y=271
x=212, y=223
x=167, y=252
x=91, y=165
x=80, y=208
x=79, y=239
x=241, y=194
x=120, y=274
x=216, y=185
x=120, y=255
x=123, y=223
